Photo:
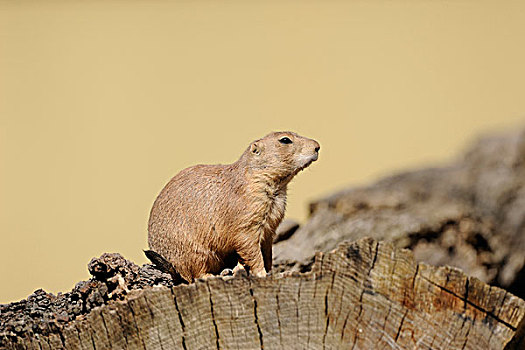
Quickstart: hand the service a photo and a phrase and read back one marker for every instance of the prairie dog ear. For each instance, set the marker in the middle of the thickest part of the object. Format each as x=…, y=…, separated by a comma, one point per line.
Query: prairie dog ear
x=255, y=149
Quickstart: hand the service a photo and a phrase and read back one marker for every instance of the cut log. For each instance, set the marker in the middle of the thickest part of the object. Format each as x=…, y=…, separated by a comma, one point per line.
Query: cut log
x=363, y=295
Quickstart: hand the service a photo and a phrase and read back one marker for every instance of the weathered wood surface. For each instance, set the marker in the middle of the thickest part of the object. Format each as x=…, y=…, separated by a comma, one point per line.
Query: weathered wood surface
x=470, y=214
x=363, y=295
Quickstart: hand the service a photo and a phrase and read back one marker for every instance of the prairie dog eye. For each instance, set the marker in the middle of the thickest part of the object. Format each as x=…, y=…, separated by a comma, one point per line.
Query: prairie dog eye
x=285, y=140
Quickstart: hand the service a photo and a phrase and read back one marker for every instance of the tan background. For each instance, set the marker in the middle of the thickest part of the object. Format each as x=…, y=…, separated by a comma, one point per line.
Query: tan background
x=102, y=102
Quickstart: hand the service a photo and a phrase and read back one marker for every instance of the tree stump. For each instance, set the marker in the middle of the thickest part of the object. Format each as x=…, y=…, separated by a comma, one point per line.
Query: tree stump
x=363, y=295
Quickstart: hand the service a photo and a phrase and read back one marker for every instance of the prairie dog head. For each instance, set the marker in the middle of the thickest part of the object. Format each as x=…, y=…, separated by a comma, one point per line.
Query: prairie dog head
x=281, y=155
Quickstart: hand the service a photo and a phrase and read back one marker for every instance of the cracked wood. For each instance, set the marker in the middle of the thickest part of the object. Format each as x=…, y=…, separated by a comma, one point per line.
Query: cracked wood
x=365, y=294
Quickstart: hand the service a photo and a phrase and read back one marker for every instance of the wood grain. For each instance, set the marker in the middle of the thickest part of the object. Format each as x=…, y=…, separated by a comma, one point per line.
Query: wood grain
x=363, y=295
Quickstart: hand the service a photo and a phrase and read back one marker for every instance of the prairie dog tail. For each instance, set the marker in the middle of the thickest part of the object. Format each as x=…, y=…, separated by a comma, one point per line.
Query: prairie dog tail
x=165, y=266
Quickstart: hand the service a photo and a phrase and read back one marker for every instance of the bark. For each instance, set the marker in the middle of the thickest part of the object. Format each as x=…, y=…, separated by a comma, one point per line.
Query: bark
x=363, y=295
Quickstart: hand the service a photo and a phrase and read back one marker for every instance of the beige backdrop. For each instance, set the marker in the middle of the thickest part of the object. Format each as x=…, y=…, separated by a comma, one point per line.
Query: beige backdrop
x=101, y=102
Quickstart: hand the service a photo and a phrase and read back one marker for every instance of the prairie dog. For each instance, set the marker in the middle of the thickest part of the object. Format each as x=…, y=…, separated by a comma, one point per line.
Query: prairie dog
x=211, y=217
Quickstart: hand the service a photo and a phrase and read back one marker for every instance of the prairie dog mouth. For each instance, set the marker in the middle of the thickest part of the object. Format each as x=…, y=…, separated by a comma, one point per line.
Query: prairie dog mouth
x=305, y=161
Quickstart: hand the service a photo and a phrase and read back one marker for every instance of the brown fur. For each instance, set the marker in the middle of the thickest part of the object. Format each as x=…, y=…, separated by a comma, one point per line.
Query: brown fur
x=208, y=217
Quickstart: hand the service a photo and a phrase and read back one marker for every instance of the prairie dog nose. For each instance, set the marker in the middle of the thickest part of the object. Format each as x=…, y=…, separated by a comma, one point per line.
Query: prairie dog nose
x=317, y=146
